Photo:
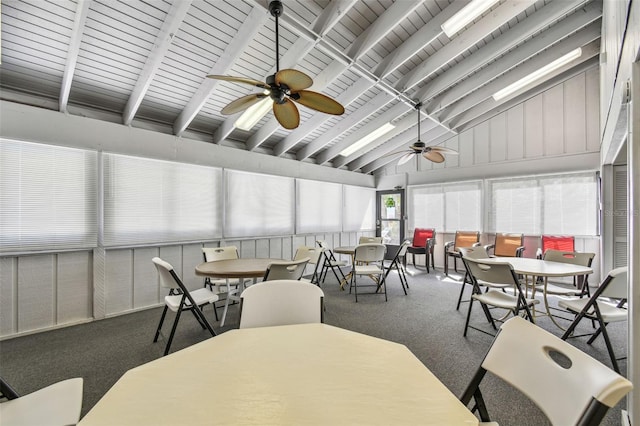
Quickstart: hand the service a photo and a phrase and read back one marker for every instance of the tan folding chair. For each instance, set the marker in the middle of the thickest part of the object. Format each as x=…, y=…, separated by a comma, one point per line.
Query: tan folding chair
x=462, y=239
x=507, y=245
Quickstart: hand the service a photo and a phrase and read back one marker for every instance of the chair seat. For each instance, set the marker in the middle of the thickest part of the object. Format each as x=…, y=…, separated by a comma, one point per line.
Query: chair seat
x=559, y=290
x=58, y=404
x=367, y=269
x=338, y=263
x=610, y=313
x=201, y=296
x=493, y=285
x=501, y=300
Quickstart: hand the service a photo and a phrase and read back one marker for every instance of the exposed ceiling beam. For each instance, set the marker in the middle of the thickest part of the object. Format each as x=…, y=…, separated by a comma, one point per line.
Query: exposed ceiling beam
x=82, y=10
x=170, y=26
x=382, y=26
x=508, y=40
x=255, y=20
x=584, y=38
x=331, y=15
x=518, y=56
x=464, y=41
x=588, y=52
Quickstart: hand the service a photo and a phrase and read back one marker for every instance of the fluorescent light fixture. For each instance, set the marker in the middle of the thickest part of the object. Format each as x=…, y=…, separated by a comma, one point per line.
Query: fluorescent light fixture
x=466, y=15
x=368, y=139
x=253, y=114
x=536, y=75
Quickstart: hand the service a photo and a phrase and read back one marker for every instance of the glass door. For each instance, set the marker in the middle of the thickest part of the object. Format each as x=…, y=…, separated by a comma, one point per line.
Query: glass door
x=390, y=213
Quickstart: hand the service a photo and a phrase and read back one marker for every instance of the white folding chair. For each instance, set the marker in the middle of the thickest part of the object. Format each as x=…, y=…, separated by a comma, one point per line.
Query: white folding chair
x=59, y=404
x=181, y=299
x=569, y=386
x=281, y=302
x=605, y=306
x=397, y=263
x=330, y=262
x=314, y=254
x=369, y=260
x=292, y=270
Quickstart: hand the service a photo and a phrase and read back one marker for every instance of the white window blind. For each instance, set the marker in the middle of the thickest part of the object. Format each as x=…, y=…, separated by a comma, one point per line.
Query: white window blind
x=426, y=207
x=48, y=196
x=258, y=205
x=359, y=209
x=463, y=206
x=553, y=204
x=319, y=206
x=152, y=201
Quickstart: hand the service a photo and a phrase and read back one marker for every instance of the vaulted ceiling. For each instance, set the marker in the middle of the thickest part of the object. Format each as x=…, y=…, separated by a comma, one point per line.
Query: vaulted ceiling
x=144, y=64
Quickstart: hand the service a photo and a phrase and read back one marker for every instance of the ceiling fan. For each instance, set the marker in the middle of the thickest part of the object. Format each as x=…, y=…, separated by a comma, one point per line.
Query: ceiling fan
x=431, y=153
x=283, y=87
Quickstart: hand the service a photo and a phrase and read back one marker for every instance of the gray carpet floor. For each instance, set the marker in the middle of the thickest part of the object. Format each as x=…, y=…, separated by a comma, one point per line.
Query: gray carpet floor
x=425, y=320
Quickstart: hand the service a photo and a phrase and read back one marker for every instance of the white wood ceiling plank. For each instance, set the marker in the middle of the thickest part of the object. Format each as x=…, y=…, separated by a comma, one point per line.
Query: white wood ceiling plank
x=127, y=38
x=499, y=46
x=519, y=55
x=111, y=13
x=57, y=14
x=333, y=13
x=463, y=41
x=170, y=26
x=51, y=41
x=31, y=52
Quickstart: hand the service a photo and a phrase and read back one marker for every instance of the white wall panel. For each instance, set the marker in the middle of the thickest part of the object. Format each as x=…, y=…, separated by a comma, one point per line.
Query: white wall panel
x=465, y=140
x=498, y=138
x=191, y=257
x=8, y=291
x=481, y=143
x=281, y=248
x=145, y=281
x=533, y=128
x=453, y=143
x=74, y=292
x=592, y=100
x=515, y=133
x=118, y=273
x=36, y=292
x=575, y=129
x=553, y=121
x=262, y=248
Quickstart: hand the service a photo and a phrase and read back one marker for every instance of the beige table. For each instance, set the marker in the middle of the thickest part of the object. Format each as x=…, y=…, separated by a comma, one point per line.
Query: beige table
x=532, y=268
x=235, y=268
x=311, y=374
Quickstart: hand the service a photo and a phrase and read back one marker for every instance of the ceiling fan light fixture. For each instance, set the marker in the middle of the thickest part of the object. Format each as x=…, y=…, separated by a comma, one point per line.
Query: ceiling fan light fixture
x=253, y=114
x=465, y=16
x=537, y=74
x=366, y=140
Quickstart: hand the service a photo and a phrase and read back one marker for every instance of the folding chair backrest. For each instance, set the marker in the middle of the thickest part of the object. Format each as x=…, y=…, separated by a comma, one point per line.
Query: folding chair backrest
x=421, y=235
x=164, y=270
x=312, y=253
x=212, y=254
x=466, y=239
x=492, y=272
x=572, y=257
x=477, y=252
x=368, y=253
x=562, y=380
x=370, y=240
x=558, y=242
x=507, y=244
x=281, y=302
x=286, y=270
x=402, y=250
x=618, y=286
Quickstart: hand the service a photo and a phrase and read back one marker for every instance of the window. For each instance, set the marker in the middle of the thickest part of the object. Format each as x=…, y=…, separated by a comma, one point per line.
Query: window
x=553, y=204
x=359, y=209
x=48, y=196
x=258, y=205
x=152, y=201
x=446, y=207
x=319, y=206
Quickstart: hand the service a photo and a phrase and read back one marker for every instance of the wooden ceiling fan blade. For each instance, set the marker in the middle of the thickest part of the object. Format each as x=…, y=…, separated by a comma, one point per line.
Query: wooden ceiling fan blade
x=242, y=80
x=295, y=80
x=405, y=158
x=434, y=156
x=242, y=103
x=318, y=101
x=443, y=150
x=287, y=114
x=404, y=151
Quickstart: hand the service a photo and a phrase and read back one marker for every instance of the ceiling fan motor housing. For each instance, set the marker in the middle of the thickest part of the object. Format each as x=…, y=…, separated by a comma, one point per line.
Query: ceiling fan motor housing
x=276, y=8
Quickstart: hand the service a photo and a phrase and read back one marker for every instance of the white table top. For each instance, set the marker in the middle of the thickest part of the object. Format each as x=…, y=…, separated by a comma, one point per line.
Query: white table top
x=236, y=268
x=542, y=268
x=291, y=375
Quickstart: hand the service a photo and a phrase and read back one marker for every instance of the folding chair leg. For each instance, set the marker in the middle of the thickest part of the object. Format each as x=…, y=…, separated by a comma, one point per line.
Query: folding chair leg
x=464, y=284
x=173, y=331
x=164, y=312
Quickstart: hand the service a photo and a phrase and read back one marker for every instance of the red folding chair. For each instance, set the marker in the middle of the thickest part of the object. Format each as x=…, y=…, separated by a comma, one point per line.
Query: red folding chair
x=423, y=241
